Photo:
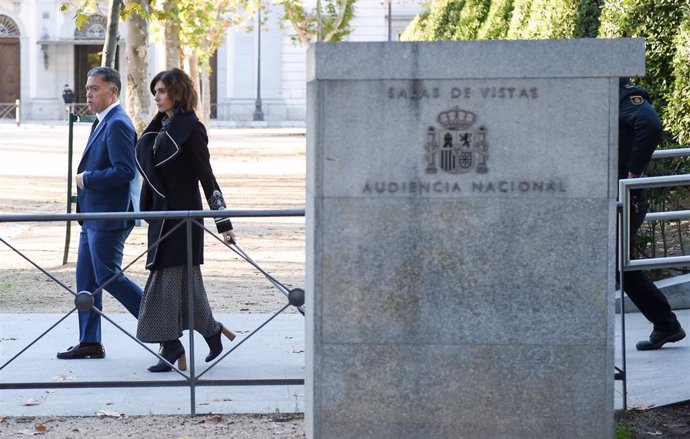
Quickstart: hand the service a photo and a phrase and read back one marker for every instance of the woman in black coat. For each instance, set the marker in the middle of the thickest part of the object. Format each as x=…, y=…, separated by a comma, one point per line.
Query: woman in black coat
x=173, y=157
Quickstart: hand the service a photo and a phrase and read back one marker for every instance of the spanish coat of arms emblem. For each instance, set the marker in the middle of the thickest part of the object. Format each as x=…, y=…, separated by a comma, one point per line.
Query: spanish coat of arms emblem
x=455, y=147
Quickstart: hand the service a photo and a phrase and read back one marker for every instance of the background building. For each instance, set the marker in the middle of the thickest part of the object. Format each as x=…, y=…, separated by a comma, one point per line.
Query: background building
x=41, y=50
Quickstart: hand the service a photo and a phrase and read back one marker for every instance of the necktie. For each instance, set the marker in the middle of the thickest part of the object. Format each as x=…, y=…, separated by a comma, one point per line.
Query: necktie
x=94, y=125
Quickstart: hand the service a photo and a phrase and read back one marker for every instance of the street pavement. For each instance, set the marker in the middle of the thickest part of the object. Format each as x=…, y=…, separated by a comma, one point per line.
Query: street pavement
x=274, y=352
x=654, y=378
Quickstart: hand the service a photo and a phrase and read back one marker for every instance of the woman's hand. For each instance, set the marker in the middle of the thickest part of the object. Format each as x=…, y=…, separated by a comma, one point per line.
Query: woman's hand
x=229, y=236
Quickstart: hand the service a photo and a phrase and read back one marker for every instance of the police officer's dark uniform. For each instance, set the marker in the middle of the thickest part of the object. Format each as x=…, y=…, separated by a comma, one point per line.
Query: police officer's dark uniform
x=639, y=134
x=67, y=95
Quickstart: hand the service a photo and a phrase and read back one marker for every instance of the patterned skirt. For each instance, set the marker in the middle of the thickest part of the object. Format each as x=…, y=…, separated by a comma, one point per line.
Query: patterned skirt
x=163, y=312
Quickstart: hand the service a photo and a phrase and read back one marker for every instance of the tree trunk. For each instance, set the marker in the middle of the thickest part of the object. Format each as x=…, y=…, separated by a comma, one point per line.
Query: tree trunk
x=138, y=94
x=319, y=22
x=193, y=70
x=110, y=43
x=205, y=91
x=171, y=36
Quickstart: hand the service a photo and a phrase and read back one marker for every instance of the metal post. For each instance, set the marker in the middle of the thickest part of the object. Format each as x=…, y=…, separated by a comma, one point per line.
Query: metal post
x=17, y=111
x=258, y=113
x=390, y=20
x=623, y=220
x=70, y=146
x=190, y=318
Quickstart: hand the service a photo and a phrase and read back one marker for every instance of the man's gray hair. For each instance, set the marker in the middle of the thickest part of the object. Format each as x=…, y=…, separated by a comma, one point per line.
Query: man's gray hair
x=107, y=74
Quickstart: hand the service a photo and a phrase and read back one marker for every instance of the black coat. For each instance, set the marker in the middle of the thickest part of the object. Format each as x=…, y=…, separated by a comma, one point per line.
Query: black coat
x=639, y=131
x=171, y=182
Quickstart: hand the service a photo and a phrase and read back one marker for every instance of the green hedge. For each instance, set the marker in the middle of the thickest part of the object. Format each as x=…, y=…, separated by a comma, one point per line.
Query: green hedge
x=678, y=111
x=587, y=19
x=663, y=23
x=497, y=22
x=519, y=20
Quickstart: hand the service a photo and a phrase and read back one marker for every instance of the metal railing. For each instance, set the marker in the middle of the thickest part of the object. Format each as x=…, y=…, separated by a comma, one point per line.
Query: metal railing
x=625, y=261
x=80, y=109
x=11, y=110
x=187, y=219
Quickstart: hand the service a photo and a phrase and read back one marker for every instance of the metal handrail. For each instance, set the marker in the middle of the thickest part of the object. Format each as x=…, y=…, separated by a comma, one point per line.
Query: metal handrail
x=625, y=263
x=624, y=187
x=193, y=379
x=178, y=214
x=667, y=153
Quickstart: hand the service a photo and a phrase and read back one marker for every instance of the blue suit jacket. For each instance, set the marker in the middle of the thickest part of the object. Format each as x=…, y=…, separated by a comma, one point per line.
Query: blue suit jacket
x=109, y=170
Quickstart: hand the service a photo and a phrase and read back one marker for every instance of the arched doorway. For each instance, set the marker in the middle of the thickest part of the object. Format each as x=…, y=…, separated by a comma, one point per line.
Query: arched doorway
x=88, y=50
x=9, y=66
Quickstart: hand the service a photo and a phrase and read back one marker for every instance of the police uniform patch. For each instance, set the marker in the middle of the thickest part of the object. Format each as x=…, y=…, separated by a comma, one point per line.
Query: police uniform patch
x=636, y=99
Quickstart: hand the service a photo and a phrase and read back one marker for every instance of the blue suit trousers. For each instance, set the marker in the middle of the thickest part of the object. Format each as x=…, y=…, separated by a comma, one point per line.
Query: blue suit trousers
x=98, y=262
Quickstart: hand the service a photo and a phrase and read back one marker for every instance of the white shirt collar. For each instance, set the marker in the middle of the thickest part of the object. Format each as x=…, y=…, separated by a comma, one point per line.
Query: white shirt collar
x=100, y=116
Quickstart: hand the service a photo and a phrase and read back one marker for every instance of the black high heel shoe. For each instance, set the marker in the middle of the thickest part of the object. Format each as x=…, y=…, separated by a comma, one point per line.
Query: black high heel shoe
x=215, y=345
x=172, y=351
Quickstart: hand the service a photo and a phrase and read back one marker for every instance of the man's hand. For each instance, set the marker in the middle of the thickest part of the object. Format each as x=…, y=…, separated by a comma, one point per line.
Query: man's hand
x=80, y=180
x=633, y=175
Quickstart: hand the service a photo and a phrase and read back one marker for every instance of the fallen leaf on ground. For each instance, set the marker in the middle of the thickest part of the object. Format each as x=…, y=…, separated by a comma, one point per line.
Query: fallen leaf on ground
x=32, y=402
x=109, y=414
x=28, y=432
x=41, y=428
x=64, y=377
x=212, y=420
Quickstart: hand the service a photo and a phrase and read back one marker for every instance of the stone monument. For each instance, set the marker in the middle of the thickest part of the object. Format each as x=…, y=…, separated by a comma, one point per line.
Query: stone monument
x=460, y=238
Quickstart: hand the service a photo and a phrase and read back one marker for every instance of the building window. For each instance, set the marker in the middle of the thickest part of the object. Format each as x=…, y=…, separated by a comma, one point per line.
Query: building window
x=92, y=29
x=8, y=28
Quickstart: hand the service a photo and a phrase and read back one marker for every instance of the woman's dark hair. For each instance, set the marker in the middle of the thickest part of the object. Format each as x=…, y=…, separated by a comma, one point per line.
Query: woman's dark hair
x=179, y=87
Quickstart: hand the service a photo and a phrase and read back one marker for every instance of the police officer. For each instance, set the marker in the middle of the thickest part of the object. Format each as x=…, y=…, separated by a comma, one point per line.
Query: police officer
x=67, y=95
x=639, y=135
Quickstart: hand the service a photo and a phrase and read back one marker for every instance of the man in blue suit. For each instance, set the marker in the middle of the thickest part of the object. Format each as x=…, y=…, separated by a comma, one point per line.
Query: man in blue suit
x=105, y=175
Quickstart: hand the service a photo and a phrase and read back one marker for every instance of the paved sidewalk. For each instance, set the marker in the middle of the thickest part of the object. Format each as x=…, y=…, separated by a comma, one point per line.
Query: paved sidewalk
x=655, y=378
x=275, y=352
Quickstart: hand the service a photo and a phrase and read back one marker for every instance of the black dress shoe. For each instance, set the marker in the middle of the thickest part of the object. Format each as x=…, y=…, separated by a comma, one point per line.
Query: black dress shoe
x=83, y=350
x=659, y=338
